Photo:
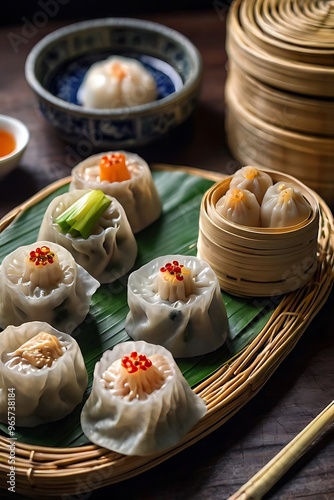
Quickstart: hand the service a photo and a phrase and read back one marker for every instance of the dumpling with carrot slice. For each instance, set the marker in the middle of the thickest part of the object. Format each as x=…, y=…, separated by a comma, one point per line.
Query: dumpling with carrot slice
x=125, y=176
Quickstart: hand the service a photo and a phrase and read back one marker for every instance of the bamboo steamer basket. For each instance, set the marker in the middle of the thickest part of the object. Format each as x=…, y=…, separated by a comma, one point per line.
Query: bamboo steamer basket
x=308, y=156
x=280, y=87
x=305, y=114
x=254, y=141
x=258, y=261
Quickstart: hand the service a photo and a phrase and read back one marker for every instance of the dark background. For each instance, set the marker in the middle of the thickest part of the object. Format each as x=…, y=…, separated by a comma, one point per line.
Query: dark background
x=34, y=11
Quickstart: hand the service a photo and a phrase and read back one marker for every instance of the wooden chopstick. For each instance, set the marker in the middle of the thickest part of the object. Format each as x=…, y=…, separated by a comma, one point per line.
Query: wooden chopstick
x=265, y=479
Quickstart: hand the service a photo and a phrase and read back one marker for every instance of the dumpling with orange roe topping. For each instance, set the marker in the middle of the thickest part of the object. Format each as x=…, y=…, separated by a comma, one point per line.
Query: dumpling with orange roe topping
x=125, y=176
x=140, y=402
x=175, y=301
x=42, y=282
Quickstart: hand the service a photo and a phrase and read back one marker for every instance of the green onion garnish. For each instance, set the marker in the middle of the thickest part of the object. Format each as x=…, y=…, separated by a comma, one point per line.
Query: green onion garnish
x=80, y=218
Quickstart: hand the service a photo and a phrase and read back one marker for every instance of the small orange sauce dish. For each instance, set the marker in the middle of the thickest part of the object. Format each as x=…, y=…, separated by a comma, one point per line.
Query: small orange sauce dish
x=7, y=142
x=14, y=138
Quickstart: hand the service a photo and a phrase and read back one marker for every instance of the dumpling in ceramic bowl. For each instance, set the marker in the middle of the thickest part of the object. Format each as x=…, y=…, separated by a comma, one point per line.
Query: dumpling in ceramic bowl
x=117, y=82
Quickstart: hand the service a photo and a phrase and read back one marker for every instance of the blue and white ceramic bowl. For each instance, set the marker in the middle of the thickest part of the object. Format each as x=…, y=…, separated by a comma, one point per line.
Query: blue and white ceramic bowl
x=57, y=64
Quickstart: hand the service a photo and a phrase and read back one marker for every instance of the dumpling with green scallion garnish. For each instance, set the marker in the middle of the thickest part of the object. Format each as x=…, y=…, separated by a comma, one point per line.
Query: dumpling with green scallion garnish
x=94, y=227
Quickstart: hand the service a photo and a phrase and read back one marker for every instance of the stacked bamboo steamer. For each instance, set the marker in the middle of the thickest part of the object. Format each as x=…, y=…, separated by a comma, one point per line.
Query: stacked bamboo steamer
x=279, y=90
x=258, y=261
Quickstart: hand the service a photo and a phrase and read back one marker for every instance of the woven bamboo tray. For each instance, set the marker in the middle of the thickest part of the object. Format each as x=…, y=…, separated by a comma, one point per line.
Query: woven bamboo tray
x=45, y=472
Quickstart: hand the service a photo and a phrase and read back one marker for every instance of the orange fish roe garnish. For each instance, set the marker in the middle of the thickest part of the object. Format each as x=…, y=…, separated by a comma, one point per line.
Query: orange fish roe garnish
x=41, y=256
x=136, y=362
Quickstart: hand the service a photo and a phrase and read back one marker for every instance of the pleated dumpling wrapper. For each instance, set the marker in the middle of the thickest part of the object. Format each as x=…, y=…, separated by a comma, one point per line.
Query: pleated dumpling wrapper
x=42, y=282
x=283, y=205
x=140, y=402
x=117, y=82
x=252, y=179
x=175, y=301
x=125, y=176
x=239, y=206
x=107, y=249
x=43, y=369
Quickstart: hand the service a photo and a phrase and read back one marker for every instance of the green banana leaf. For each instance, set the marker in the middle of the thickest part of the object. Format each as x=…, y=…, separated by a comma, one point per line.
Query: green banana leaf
x=175, y=232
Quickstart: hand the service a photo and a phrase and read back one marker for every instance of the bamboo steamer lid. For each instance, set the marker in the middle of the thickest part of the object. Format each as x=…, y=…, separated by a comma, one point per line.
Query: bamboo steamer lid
x=294, y=53
x=258, y=261
x=287, y=29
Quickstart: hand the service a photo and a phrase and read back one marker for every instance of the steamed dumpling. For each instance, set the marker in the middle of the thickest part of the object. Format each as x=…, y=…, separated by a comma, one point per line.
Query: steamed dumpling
x=175, y=301
x=42, y=282
x=109, y=252
x=283, y=205
x=129, y=180
x=239, y=206
x=140, y=402
x=117, y=82
x=252, y=179
x=47, y=370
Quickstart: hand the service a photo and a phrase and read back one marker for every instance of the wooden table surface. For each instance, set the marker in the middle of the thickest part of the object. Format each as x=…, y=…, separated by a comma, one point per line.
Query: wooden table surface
x=301, y=387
